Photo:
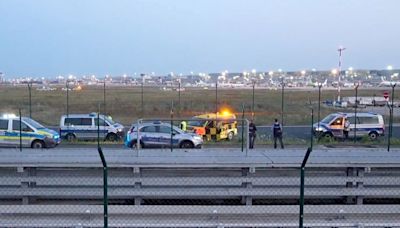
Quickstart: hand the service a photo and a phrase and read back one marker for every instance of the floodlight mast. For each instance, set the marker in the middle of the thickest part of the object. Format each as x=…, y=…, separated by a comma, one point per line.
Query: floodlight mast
x=340, y=50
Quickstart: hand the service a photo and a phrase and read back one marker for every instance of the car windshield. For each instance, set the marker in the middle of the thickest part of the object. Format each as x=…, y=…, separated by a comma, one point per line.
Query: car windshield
x=328, y=119
x=197, y=123
x=109, y=120
x=33, y=123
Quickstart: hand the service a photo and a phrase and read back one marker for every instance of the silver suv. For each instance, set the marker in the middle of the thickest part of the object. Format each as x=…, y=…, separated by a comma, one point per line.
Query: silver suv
x=158, y=134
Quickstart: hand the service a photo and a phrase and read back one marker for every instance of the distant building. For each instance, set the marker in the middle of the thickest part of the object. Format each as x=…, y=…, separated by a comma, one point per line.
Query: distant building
x=1, y=77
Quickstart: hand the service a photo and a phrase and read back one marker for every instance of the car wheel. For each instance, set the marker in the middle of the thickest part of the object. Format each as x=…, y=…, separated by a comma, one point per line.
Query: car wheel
x=230, y=136
x=112, y=137
x=70, y=137
x=373, y=136
x=187, y=144
x=37, y=144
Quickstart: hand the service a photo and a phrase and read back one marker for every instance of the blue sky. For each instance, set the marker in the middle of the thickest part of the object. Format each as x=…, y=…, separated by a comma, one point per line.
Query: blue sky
x=53, y=37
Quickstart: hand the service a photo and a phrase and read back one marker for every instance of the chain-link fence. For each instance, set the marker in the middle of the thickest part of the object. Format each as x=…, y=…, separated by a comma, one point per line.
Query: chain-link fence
x=211, y=188
x=125, y=104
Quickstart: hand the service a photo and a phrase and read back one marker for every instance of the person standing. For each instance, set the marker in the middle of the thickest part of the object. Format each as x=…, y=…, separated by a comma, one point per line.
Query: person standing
x=346, y=128
x=183, y=125
x=277, y=132
x=252, y=133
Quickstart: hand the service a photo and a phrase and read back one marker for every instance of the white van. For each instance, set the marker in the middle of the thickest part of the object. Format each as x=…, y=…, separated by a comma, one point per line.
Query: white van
x=332, y=126
x=85, y=126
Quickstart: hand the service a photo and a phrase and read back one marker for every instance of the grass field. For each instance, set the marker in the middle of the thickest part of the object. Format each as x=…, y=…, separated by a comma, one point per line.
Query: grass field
x=124, y=103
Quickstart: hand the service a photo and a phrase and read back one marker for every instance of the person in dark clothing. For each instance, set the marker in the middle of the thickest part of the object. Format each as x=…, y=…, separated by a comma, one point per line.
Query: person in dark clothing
x=277, y=132
x=252, y=133
x=346, y=128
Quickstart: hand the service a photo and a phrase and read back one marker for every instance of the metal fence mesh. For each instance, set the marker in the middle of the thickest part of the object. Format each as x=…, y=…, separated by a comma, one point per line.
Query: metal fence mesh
x=199, y=197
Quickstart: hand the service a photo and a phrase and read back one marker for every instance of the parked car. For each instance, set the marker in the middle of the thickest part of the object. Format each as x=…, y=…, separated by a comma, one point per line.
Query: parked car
x=158, y=134
x=27, y=131
x=86, y=126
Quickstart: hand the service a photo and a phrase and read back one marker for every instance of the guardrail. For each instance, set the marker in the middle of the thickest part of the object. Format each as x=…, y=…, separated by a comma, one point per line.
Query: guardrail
x=224, y=194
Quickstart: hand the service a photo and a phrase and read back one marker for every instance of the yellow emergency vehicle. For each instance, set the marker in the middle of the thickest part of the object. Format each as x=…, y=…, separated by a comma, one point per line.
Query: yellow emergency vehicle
x=214, y=126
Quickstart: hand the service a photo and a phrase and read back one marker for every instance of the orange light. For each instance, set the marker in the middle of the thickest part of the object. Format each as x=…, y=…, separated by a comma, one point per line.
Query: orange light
x=226, y=112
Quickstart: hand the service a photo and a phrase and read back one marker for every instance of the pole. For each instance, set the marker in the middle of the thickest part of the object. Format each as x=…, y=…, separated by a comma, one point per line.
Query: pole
x=142, y=96
x=312, y=130
x=20, y=130
x=340, y=50
x=355, y=114
x=391, y=118
x=252, y=104
x=105, y=186
x=179, y=98
x=319, y=109
x=172, y=124
x=242, y=127
x=98, y=127
x=30, y=99
x=104, y=97
x=282, y=100
x=67, y=86
x=216, y=97
x=301, y=217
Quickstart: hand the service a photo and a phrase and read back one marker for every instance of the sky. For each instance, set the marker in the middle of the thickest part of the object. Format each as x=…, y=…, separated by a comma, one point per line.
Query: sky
x=81, y=37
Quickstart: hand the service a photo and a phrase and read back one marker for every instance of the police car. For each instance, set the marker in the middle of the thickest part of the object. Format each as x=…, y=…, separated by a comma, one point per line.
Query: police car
x=158, y=134
x=365, y=124
x=33, y=134
x=86, y=126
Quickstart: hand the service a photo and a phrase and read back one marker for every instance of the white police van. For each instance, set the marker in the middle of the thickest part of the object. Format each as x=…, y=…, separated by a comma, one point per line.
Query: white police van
x=31, y=133
x=364, y=124
x=85, y=126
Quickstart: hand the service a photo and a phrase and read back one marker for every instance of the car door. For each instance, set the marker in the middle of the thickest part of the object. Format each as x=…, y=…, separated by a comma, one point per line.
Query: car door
x=148, y=136
x=353, y=126
x=103, y=127
x=165, y=136
x=3, y=132
x=336, y=127
x=26, y=131
x=87, y=128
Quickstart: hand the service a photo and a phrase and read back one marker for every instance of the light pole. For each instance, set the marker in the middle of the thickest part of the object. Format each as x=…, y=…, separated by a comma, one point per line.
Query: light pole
x=141, y=93
x=67, y=88
x=252, y=104
x=30, y=98
x=355, y=113
x=282, y=101
x=104, y=96
x=340, y=50
x=216, y=96
x=319, y=107
x=179, y=97
x=391, y=117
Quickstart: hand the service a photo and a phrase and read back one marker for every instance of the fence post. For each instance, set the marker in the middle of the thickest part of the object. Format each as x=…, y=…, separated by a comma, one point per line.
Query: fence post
x=104, y=97
x=105, y=186
x=282, y=102
x=30, y=98
x=391, y=117
x=172, y=124
x=20, y=131
x=67, y=87
x=216, y=97
x=303, y=164
x=355, y=114
x=242, y=127
x=312, y=128
x=319, y=108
